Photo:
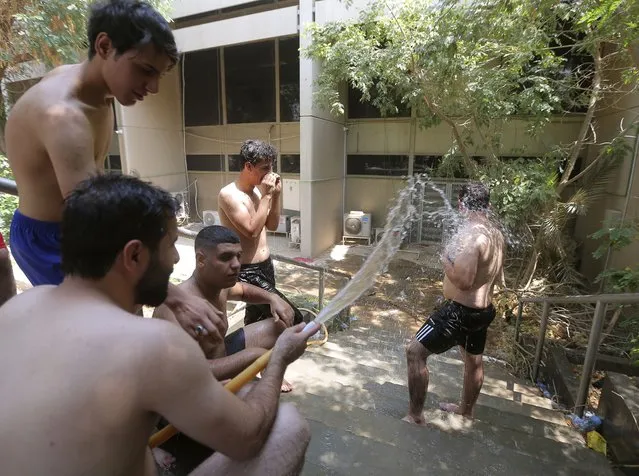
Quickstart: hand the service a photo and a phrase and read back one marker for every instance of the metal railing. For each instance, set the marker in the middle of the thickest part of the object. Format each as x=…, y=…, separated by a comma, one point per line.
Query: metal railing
x=601, y=302
x=322, y=274
x=8, y=186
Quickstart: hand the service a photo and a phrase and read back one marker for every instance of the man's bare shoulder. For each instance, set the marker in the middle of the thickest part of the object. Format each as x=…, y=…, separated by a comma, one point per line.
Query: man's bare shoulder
x=230, y=192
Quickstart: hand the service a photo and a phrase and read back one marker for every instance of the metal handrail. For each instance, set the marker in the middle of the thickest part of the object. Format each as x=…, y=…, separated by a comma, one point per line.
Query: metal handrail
x=321, y=270
x=8, y=186
x=601, y=302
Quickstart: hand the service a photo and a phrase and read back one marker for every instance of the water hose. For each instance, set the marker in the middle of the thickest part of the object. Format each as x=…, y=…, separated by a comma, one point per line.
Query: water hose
x=235, y=384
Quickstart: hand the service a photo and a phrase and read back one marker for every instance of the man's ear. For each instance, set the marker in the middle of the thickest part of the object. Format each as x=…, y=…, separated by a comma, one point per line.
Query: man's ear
x=200, y=259
x=135, y=256
x=103, y=45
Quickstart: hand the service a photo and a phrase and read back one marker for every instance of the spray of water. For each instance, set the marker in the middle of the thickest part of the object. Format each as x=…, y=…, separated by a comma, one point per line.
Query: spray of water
x=397, y=225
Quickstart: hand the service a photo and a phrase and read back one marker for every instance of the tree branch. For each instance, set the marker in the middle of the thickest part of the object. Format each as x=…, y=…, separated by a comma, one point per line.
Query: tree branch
x=585, y=126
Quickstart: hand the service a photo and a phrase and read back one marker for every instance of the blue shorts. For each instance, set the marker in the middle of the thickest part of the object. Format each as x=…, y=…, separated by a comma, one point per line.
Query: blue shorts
x=235, y=342
x=35, y=245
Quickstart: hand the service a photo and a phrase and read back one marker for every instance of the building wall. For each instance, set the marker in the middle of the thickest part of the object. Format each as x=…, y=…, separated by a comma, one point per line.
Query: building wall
x=151, y=138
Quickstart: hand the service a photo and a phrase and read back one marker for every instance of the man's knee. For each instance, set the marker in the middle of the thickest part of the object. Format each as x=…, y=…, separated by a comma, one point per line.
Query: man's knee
x=294, y=425
x=415, y=350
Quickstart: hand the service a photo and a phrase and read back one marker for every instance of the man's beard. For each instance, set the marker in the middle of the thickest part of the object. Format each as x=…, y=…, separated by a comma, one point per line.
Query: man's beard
x=153, y=287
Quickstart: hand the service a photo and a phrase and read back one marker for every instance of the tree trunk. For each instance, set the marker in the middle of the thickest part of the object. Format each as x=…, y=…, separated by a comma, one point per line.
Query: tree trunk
x=585, y=126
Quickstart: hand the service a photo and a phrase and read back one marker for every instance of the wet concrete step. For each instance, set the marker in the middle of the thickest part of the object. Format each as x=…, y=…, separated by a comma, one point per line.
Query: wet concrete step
x=450, y=433
x=445, y=381
x=344, y=452
x=500, y=385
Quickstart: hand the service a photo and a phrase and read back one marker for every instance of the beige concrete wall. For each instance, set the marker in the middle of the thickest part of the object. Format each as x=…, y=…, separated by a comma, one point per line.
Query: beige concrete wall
x=152, y=142
x=372, y=195
x=209, y=185
x=619, y=191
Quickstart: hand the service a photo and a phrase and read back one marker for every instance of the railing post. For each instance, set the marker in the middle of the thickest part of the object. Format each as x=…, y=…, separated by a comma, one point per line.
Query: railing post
x=321, y=289
x=591, y=357
x=520, y=311
x=542, y=337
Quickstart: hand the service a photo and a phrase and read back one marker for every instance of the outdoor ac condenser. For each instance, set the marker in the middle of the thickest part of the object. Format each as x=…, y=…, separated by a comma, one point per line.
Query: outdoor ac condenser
x=296, y=230
x=357, y=225
x=211, y=217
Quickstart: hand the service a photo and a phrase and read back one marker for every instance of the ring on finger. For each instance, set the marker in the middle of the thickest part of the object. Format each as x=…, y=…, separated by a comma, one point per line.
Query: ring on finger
x=200, y=330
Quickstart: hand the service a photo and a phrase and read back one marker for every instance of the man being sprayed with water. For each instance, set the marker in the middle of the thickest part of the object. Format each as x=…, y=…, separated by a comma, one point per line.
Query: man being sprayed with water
x=217, y=259
x=473, y=262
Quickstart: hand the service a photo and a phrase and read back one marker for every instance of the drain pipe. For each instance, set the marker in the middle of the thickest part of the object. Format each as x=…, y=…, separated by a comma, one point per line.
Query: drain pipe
x=624, y=212
x=344, y=177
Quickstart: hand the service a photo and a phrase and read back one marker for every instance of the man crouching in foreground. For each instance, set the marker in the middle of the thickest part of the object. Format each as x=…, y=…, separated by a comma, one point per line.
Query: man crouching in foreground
x=84, y=379
x=217, y=266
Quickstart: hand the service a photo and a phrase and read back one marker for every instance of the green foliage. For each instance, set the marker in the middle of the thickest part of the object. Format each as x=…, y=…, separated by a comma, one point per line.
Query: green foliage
x=8, y=203
x=522, y=188
x=616, y=236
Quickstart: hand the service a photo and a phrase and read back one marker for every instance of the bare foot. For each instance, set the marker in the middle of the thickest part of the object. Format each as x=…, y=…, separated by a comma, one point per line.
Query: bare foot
x=415, y=420
x=286, y=387
x=452, y=408
x=164, y=459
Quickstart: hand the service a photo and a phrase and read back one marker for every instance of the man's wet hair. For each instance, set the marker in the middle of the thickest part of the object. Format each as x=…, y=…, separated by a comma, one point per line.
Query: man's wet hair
x=130, y=24
x=211, y=236
x=474, y=196
x=105, y=212
x=254, y=150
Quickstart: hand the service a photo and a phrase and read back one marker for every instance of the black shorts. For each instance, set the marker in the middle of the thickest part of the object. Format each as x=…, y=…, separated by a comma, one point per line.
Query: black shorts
x=262, y=275
x=454, y=324
x=235, y=342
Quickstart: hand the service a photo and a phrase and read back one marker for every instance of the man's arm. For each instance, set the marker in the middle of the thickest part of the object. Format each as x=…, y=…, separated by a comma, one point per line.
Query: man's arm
x=176, y=384
x=192, y=311
x=462, y=270
x=236, y=211
x=252, y=294
x=68, y=139
x=273, y=219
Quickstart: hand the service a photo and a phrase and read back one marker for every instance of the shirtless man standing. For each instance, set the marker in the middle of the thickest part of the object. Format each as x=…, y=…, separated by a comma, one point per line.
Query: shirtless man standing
x=58, y=134
x=463, y=319
x=249, y=206
x=217, y=256
x=84, y=379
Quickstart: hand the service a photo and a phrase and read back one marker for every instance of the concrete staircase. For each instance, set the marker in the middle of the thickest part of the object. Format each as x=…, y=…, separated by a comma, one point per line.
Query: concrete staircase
x=353, y=392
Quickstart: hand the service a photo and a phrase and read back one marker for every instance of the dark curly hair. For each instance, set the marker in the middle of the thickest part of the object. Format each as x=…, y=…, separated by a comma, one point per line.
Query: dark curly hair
x=254, y=150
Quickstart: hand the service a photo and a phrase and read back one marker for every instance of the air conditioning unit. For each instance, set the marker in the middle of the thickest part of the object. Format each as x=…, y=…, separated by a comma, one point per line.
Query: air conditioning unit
x=296, y=230
x=211, y=217
x=183, y=202
x=357, y=225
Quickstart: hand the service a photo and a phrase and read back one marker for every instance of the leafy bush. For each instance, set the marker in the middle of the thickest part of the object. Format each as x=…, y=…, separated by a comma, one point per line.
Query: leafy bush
x=8, y=203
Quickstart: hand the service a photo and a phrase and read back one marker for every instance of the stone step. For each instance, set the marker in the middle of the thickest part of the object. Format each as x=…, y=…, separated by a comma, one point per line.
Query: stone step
x=442, y=385
x=448, y=433
x=438, y=365
x=417, y=451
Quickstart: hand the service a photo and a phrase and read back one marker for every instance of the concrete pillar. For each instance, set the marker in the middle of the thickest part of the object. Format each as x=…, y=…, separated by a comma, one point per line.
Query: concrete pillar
x=322, y=158
x=151, y=136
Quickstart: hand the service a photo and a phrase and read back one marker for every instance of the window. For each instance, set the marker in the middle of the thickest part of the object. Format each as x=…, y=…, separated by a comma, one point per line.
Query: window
x=250, y=82
x=366, y=110
x=289, y=80
x=425, y=163
x=205, y=163
x=235, y=163
x=386, y=165
x=290, y=163
x=113, y=163
x=202, y=104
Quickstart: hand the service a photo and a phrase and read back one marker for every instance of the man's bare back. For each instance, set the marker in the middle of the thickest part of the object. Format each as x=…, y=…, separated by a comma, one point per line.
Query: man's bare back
x=35, y=145
x=482, y=241
x=86, y=355
x=255, y=249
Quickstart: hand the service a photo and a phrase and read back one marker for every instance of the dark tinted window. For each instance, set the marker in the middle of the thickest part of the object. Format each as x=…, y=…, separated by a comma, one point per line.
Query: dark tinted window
x=290, y=163
x=113, y=163
x=289, y=80
x=205, y=163
x=250, y=82
x=202, y=104
x=389, y=165
x=425, y=163
x=366, y=110
x=235, y=163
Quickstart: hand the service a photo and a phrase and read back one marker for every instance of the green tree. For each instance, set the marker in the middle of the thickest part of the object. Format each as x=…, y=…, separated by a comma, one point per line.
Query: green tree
x=478, y=65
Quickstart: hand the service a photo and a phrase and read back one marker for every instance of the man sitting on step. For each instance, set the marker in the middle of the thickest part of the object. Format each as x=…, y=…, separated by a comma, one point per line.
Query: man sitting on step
x=84, y=379
x=218, y=255
x=472, y=263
